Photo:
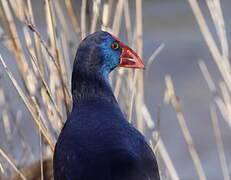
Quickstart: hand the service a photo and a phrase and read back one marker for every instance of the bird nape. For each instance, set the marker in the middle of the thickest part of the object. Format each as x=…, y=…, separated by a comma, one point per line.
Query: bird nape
x=97, y=142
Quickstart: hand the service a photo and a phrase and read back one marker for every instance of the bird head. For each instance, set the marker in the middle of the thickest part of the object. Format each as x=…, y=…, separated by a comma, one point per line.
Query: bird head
x=101, y=52
x=97, y=55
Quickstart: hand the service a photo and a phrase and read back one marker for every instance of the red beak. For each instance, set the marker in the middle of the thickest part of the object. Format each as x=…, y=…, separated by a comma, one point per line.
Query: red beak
x=129, y=58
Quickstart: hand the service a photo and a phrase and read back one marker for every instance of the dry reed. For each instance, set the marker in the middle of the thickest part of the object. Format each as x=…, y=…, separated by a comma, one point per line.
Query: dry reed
x=44, y=66
x=44, y=73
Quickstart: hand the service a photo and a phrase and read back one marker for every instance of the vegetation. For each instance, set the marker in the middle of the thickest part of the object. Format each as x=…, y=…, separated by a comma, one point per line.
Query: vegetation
x=43, y=64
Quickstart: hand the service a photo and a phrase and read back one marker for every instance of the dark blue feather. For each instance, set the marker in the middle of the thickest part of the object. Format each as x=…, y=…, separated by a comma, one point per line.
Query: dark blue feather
x=97, y=142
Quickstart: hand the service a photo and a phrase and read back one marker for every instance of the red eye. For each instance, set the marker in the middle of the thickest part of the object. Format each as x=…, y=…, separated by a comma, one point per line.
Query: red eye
x=115, y=45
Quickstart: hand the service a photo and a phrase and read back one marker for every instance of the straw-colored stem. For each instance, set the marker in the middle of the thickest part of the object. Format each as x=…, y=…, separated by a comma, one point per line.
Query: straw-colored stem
x=128, y=21
x=117, y=17
x=41, y=155
x=118, y=82
x=207, y=76
x=61, y=71
x=73, y=16
x=220, y=60
x=36, y=32
x=130, y=108
x=152, y=58
x=15, y=46
x=8, y=159
x=218, y=19
x=83, y=18
x=2, y=169
x=67, y=95
x=219, y=142
x=96, y=6
x=29, y=106
x=167, y=160
x=45, y=85
x=140, y=78
x=36, y=38
x=171, y=97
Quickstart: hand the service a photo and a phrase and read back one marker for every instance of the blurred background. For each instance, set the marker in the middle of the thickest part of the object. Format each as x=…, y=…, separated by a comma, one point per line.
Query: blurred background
x=181, y=102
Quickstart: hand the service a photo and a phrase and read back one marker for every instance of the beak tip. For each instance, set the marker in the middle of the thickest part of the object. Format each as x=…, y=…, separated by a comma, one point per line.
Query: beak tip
x=130, y=59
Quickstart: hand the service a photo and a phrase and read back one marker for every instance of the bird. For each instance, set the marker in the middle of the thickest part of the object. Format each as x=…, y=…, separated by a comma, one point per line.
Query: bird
x=97, y=142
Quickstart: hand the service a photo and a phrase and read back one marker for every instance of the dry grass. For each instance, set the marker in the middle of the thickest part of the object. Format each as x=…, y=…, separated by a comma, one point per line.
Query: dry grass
x=171, y=98
x=44, y=61
x=44, y=66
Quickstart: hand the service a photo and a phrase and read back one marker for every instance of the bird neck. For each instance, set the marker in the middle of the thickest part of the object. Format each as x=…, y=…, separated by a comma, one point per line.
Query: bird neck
x=91, y=87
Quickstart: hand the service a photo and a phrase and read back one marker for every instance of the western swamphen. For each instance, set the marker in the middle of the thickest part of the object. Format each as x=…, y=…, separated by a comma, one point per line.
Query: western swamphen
x=97, y=142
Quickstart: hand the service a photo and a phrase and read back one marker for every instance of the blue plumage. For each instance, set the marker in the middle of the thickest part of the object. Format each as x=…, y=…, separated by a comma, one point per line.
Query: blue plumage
x=97, y=142
x=110, y=56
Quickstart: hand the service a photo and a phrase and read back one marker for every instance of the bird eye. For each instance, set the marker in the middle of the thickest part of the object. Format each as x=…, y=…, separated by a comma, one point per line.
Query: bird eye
x=115, y=45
